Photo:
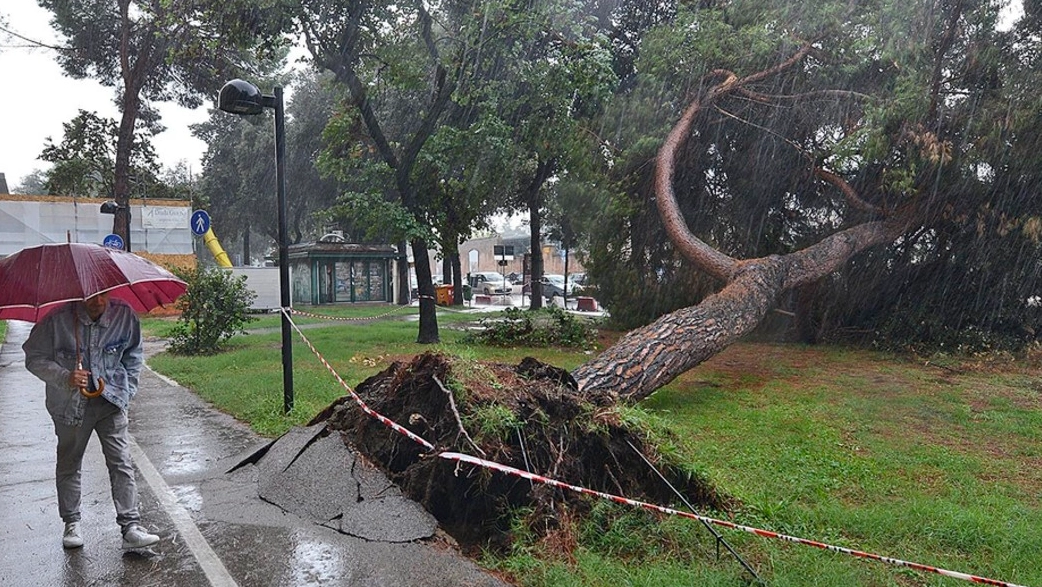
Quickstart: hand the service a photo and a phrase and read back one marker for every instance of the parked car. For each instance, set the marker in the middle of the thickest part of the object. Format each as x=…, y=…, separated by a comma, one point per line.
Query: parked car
x=414, y=287
x=553, y=286
x=490, y=283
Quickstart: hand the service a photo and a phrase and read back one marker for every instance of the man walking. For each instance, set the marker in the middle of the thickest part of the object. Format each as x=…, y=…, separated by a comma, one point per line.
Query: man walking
x=89, y=355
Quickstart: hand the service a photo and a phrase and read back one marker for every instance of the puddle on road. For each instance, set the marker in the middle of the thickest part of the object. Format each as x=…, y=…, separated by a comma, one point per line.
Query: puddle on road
x=315, y=562
x=189, y=497
x=181, y=462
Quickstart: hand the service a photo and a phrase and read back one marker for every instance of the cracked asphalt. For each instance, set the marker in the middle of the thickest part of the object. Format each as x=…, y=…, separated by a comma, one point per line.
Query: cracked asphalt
x=232, y=508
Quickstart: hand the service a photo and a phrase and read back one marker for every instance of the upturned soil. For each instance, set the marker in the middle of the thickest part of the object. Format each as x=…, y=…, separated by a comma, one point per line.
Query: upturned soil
x=530, y=417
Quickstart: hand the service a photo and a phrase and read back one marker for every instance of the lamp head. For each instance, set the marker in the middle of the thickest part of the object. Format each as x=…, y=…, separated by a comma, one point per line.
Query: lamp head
x=109, y=207
x=240, y=97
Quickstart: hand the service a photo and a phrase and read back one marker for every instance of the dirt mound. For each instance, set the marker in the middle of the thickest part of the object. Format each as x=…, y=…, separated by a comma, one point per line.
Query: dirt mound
x=529, y=417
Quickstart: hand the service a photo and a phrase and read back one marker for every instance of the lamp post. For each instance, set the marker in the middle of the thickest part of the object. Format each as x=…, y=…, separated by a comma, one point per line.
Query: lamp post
x=240, y=97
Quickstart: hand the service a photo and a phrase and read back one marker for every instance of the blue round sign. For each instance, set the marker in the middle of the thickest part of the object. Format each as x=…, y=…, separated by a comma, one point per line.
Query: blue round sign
x=113, y=241
x=200, y=222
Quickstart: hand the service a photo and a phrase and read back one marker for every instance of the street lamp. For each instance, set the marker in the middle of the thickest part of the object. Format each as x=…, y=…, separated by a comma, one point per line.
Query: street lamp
x=241, y=97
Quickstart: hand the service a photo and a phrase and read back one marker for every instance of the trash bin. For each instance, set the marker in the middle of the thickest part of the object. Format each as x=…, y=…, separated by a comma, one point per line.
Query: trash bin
x=443, y=295
x=585, y=304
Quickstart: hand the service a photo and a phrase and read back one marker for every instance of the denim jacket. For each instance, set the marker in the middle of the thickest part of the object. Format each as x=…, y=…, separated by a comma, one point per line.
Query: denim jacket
x=110, y=349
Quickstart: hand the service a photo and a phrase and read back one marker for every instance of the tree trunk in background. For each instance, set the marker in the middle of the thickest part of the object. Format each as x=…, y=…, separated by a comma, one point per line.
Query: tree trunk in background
x=246, y=257
x=404, y=287
x=457, y=279
x=536, y=223
x=121, y=172
x=428, y=313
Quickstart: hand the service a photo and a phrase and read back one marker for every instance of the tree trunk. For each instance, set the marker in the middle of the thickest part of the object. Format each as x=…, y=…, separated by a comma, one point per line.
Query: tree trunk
x=246, y=253
x=536, y=289
x=648, y=358
x=404, y=288
x=652, y=356
x=428, y=313
x=457, y=279
x=121, y=172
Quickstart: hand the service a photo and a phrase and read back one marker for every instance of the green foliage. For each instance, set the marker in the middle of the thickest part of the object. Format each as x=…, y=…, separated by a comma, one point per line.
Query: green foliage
x=379, y=215
x=215, y=308
x=549, y=327
x=922, y=108
x=238, y=181
x=146, y=52
x=493, y=421
x=85, y=159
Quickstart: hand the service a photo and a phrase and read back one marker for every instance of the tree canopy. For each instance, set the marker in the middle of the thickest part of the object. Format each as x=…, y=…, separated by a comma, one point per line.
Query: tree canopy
x=161, y=51
x=856, y=158
x=870, y=169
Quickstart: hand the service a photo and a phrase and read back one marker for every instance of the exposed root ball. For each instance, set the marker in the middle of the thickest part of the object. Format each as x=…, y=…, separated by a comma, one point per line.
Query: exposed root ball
x=530, y=417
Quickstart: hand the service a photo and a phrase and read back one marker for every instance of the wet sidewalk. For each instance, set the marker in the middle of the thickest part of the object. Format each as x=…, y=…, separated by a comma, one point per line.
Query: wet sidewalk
x=325, y=518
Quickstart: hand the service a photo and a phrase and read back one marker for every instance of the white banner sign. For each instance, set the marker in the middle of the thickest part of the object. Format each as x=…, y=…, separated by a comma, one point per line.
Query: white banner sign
x=165, y=216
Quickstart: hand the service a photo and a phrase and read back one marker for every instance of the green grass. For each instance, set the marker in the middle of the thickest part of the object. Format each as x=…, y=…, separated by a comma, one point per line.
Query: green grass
x=857, y=449
x=246, y=381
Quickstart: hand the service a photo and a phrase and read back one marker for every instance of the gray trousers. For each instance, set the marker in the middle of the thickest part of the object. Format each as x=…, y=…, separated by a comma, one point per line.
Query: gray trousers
x=110, y=424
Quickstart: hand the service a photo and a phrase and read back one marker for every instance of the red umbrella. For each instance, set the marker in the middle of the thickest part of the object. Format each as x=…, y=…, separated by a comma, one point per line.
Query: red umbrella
x=37, y=279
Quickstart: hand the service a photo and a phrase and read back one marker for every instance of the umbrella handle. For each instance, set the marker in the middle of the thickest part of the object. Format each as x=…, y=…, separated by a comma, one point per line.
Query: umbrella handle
x=91, y=394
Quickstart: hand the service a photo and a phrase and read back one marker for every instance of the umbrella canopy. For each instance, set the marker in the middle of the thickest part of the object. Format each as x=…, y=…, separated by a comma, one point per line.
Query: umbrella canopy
x=37, y=279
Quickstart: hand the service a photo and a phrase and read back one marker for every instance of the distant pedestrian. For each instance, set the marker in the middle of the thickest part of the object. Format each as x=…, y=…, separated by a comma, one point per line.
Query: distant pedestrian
x=90, y=356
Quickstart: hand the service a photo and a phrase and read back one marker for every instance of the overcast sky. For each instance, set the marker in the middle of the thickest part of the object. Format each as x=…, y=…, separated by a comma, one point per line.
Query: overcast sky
x=37, y=98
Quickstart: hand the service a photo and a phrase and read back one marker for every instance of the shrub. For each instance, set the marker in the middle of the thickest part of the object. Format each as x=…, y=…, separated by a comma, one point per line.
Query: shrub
x=551, y=327
x=215, y=308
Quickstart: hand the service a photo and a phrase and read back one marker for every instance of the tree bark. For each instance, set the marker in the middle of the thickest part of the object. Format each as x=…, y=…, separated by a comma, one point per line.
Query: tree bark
x=652, y=356
x=536, y=256
x=457, y=279
x=247, y=256
x=404, y=287
x=648, y=358
x=428, y=312
x=534, y=199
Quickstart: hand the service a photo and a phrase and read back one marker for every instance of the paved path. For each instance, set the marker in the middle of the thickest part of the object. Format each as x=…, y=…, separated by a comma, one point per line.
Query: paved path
x=216, y=529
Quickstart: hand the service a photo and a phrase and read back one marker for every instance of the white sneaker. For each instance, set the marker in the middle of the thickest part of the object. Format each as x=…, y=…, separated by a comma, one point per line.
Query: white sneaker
x=71, y=538
x=136, y=537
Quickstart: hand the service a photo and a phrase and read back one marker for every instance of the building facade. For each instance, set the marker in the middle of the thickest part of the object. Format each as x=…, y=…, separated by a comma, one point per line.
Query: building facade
x=338, y=272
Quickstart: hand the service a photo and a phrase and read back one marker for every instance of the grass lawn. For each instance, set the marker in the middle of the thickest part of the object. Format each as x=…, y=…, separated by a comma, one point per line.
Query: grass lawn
x=935, y=464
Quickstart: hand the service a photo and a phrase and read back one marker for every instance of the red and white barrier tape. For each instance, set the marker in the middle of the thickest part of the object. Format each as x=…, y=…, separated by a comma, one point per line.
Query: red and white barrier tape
x=355, y=319
x=459, y=457
x=463, y=458
x=358, y=400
